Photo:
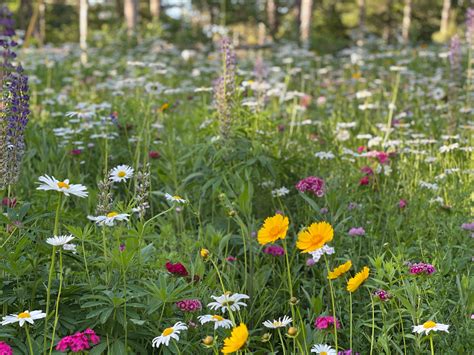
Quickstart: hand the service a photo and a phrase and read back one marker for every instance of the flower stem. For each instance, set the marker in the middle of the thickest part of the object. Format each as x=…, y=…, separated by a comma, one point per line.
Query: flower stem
x=332, y=303
x=282, y=342
x=431, y=344
x=30, y=346
x=350, y=317
x=56, y=312
x=373, y=325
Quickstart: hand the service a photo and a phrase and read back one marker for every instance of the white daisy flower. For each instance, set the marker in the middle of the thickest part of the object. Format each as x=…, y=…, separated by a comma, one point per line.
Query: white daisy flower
x=318, y=253
x=23, y=317
x=51, y=183
x=109, y=219
x=280, y=323
x=430, y=326
x=228, y=301
x=282, y=191
x=175, y=198
x=168, y=334
x=59, y=240
x=70, y=247
x=324, y=155
x=323, y=349
x=219, y=322
x=121, y=173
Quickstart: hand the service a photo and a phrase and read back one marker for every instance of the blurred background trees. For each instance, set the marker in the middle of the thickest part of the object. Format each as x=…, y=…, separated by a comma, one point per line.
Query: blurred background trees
x=323, y=25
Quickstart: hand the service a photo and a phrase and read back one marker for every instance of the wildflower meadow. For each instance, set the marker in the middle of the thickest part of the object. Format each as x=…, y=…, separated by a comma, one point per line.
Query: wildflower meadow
x=215, y=198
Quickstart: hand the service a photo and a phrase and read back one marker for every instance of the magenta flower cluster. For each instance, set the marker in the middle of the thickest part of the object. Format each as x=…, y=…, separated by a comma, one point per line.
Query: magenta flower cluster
x=190, y=305
x=422, y=268
x=382, y=295
x=274, y=250
x=325, y=322
x=312, y=183
x=78, y=342
x=5, y=349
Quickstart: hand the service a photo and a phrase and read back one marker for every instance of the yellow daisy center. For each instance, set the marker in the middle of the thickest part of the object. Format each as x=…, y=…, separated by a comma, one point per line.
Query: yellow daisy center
x=277, y=323
x=112, y=214
x=63, y=185
x=176, y=197
x=24, y=315
x=323, y=353
x=121, y=173
x=168, y=331
x=428, y=325
x=217, y=318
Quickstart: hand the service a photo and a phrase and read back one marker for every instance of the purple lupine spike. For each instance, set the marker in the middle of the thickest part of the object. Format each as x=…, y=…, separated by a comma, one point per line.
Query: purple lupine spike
x=224, y=88
x=14, y=107
x=455, y=57
x=470, y=26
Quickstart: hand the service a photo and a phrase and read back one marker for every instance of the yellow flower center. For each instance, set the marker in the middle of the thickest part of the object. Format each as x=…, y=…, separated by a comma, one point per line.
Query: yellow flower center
x=323, y=353
x=428, y=325
x=63, y=185
x=168, y=331
x=121, y=173
x=217, y=318
x=24, y=315
x=176, y=197
x=277, y=324
x=112, y=214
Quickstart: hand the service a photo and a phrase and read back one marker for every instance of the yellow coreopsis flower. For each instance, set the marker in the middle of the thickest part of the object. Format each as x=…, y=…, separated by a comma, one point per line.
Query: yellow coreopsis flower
x=354, y=283
x=237, y=339
x=273, y=228
x=340, y=270
x=314, y=237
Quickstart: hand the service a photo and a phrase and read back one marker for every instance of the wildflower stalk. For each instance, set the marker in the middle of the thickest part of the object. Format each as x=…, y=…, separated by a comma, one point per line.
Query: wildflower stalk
x=28, y=339
x=223, y=287
x=350, y=320
x=104, y=247
x=431, y=344
x=372, y=336
x=50, y=276
x=332, y=303
x=290, y=284
x=282, y=342
x=56, y=313
x=391, y=109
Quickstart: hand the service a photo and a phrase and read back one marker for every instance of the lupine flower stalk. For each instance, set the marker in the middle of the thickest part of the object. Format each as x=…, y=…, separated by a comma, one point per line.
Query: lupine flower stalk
x=141, y=195
x=14, y=106
x=455, y=57
x=224, y=88
x=470, y=26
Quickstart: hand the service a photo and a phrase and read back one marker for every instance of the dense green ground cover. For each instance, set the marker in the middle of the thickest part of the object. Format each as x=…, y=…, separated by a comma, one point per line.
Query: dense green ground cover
x=402, y=116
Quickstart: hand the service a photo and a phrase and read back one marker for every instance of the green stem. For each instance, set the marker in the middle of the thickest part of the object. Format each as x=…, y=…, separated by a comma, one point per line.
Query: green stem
x=431, y=344
x=332, y=303
x=231, y=314
x=30, y=345
x=56, y=312
x=290, y=284
x=350, y=320
x=282, y=342
x=372, y=336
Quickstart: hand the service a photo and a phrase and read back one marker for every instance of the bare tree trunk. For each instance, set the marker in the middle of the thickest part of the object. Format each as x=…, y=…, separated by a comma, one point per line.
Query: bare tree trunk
x=362, y=15
x=406, y=21
x=131, y=16
x=443, y=29
x=305, y=24
x=83, y=9
x=155, y=9
x=387, y=30
x=42, y=22
x=272, y=16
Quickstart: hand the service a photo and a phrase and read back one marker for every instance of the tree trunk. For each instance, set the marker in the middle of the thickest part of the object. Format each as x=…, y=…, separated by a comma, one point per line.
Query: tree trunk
x=362, y=16
x=26, y=11
x=443, y=29
x=42, y=22
x=305, y=21
x=131, y=16
x=83, y=9
x=272, y=17
x=406, y=21
x=387, y=30
x=155, y=7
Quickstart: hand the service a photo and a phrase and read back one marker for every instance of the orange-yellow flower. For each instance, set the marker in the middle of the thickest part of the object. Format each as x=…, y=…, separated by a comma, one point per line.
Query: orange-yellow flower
x=273, y=228
x=354, y=283
x=314, y=237
x=340, y=270
x=237, y=339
